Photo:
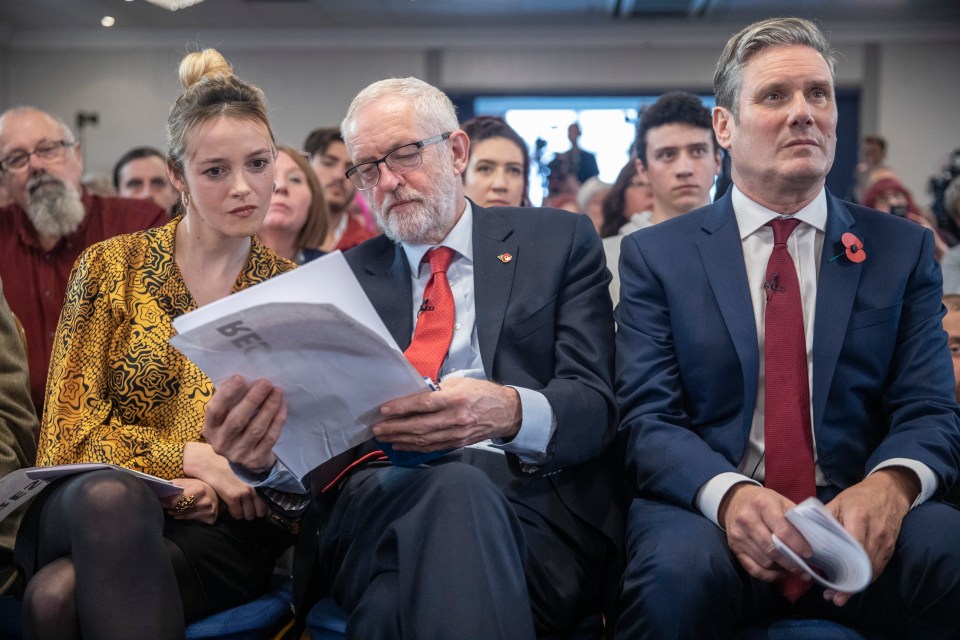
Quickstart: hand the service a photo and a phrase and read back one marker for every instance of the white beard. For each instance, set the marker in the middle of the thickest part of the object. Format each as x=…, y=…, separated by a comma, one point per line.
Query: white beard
x=53, y=206
x=433, y=215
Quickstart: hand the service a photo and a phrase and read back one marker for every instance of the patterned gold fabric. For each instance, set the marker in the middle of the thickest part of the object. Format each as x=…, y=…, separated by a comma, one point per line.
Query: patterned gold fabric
x=118, y=392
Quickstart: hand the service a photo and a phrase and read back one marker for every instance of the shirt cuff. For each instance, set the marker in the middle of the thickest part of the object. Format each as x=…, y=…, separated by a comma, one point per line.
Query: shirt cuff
x=928, y=480
x=713, y=490
x=279, y=478
x=537, y=426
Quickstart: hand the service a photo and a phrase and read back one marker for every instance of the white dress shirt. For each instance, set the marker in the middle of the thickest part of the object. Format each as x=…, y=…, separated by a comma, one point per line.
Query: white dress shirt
x=805, y=246
x=463, y=358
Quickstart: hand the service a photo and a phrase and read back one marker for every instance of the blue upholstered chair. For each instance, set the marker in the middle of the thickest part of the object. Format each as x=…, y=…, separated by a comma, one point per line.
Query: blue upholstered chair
x=256, y=620
x=327, y=621
x=803, y=629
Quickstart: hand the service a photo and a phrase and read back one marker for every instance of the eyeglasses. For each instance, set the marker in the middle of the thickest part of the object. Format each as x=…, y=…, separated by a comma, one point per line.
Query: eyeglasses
x=403, y=159
x=47, y=151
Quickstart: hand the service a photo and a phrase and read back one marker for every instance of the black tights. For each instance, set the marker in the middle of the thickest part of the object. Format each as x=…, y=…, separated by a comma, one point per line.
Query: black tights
x=105, y=570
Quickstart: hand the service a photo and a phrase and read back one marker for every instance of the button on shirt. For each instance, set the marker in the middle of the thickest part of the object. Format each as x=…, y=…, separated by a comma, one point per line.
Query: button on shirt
x=463, y=357
x=805, y=246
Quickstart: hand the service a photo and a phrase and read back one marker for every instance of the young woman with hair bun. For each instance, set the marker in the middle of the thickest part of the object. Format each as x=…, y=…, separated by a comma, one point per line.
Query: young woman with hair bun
x=103, y=557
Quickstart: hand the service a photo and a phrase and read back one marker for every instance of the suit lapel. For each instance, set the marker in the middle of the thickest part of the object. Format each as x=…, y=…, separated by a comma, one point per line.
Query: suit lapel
x=492, y=277
x=389, y=288
x=722, y=254
x=836, y=290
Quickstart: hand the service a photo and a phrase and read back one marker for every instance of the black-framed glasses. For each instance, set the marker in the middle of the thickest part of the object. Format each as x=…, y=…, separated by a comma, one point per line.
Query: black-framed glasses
x=403, y=159
x=18, y=160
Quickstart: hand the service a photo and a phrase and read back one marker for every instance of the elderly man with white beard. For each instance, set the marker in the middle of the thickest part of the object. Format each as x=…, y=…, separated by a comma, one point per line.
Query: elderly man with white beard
x=50, y=220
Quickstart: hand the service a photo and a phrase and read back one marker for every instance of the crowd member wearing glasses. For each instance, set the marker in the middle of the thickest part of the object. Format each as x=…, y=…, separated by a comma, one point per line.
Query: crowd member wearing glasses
x=102, y=555
x=503, y=535
x=51, y=220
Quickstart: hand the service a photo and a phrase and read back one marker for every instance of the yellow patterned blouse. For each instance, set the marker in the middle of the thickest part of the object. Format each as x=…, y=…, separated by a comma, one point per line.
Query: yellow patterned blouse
x=117, y=391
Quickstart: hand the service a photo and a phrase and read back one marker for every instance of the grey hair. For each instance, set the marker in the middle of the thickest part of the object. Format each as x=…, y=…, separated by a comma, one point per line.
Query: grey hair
x=950, y=197
x=432, y=107
x=773, y=32
x=67, y=131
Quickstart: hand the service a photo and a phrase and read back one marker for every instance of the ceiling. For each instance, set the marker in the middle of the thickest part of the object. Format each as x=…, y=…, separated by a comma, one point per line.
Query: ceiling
x=39, y=15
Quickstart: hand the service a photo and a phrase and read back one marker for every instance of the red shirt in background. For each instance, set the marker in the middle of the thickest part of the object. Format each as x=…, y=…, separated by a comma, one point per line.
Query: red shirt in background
x=35, y=281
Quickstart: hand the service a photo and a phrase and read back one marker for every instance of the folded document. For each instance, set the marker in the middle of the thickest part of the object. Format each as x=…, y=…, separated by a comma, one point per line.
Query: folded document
x=839, y=562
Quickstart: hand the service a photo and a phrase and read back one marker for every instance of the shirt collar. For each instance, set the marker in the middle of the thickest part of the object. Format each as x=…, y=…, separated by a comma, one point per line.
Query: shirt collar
x=751, y=216
x=460, y=239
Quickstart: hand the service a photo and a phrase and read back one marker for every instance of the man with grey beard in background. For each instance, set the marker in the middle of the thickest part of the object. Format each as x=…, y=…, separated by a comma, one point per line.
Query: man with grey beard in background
x=51, y=218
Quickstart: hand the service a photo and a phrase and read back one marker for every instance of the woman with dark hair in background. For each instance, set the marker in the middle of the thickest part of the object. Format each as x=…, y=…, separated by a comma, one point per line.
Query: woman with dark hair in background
x=296, y=223
x=498, y=169
x=628, y=205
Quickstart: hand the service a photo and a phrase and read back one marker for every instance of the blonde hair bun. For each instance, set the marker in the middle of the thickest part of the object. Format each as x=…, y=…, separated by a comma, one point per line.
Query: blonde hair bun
x=203, y=64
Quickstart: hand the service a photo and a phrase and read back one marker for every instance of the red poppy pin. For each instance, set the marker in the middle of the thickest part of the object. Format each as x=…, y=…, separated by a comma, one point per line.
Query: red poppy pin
x=853, y=248
x=504, y=257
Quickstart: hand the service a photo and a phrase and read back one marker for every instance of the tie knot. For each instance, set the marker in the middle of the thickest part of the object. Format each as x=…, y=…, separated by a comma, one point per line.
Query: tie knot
x=440, y=259
x=782, y=228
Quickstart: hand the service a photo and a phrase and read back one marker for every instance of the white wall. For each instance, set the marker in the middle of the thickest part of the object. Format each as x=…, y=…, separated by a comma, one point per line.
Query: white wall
x=309, y=78
x=919, y=109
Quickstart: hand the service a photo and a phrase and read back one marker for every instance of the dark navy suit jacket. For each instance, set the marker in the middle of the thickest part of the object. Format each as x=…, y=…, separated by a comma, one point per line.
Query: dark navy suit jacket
x=544, y=322
x=688, y=358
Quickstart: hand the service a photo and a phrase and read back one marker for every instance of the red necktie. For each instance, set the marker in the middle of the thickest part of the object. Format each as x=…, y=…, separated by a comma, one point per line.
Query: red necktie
x=788, y=438
x=434, y=331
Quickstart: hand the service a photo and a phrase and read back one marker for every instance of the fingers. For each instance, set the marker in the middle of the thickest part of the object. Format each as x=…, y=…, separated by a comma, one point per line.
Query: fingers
x=464, y=412
x=423, y=402
x=752, y=516
x=243, y=422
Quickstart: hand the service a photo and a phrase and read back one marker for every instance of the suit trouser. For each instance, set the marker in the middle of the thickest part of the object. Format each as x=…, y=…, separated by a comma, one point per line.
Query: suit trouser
x=442, y=552
x=682, y=581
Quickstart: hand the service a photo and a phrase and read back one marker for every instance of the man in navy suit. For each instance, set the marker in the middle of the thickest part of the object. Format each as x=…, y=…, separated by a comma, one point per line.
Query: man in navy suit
x=702, y=358
x=514, y=530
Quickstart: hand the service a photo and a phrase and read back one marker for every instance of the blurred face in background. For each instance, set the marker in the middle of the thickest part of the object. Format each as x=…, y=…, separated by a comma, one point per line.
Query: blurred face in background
x=290, y=204
x=494, y=175
x=680, y=167
x=951, y=324
x=638, y=197
x=330, y=167
x=889, y=199
x=146, y=179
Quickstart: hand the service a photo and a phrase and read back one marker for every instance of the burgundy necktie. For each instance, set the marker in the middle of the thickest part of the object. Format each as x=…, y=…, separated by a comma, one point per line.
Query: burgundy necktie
x=434, y=331
x=788, y=438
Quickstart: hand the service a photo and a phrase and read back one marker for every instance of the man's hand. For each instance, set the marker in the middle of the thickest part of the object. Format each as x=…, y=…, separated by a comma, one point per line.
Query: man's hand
x=243, y=422
x=463, y=412
x=751, y=515
x=206, y=505
x=872, y=511
x=201, y=462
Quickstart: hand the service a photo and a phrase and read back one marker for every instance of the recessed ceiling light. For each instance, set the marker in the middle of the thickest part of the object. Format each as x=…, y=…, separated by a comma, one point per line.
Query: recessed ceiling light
x=107, y=21
x=174, y=5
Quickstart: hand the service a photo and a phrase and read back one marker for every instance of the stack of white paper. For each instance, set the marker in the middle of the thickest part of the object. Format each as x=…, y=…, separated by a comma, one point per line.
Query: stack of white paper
x=314, y=333
x=839, y=562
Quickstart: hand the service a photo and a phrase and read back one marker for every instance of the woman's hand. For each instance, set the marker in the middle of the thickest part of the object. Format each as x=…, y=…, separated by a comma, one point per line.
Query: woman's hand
x=205, y=503
x=200, y=461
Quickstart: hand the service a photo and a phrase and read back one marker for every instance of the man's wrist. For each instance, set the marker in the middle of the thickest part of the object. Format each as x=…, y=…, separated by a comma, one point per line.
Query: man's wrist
x=515, y=408
x=901, y=480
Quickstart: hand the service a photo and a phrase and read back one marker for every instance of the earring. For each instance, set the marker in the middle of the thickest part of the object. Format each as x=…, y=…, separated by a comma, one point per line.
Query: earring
x=185, y=198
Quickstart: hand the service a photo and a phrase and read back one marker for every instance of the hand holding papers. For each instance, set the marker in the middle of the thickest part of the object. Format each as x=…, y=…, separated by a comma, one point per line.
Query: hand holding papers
x=839, y=562
x=313, y=333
